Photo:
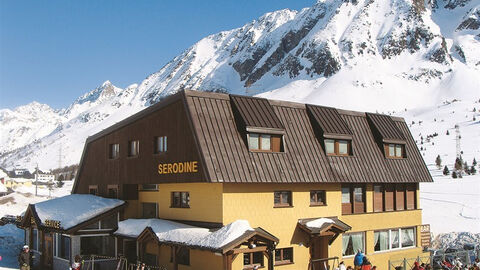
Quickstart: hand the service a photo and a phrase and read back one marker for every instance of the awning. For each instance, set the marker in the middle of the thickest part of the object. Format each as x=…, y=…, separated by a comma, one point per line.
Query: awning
x=324, y=226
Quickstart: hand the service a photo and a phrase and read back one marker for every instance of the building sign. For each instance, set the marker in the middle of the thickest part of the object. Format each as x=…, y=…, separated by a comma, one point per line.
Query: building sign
x=425, y=236
x=178, y=167
x=52, y=223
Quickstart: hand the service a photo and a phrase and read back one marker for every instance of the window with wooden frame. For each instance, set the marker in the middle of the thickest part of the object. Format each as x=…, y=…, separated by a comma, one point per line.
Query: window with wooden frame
x=282, y=198
x=93, y=190
x=180, y=199
x=252, y=259
x=399, y=197
x=389, y=190
x=133, y=148
x=149, y=210
x=114, y=151
x=283, y=256
x=160, y=145
x=264, y=142
x=183, y=256
x=394, y=150
x=411, y=195
x=112, y=191
x=378, y=205
x=317, y=197
x=353, y=199
x=338, y=147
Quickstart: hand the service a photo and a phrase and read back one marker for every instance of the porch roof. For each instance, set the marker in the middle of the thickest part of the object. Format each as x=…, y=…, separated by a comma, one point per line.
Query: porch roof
x=175, y=233
x=69, y=213
x=323, y=225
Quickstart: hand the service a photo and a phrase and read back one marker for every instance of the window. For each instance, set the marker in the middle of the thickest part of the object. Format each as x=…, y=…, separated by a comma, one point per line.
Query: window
x=317, y=197
x=252, y=259
x=394, y=238
x=282, y=198
x=389, y=197
x=97, y=245
x=411, y=196
x=400, y=197
x=283, y=256
x=35, y=239
x=180, y=200
x=149, y=187
x=377, y=198
x=183, y=256
x=150, y=259
x=93, y=190
x=112, y=191
x=114, y=151
x=337, y=147
x=133, y=149
x=352, y=242
x=149, y=210
x=160, y=144
x=353, y=199
x=346, y=200
x=381, y=240
x=395, y=150
x=64, y=247
x=264, y=142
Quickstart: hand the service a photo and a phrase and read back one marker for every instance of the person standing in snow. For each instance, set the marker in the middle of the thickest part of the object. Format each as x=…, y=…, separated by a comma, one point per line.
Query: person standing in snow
x=358, y=260
x=25, y=258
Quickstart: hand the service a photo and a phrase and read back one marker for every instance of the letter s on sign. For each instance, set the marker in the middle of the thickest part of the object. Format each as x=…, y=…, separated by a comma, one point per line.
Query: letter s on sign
x=160, y=171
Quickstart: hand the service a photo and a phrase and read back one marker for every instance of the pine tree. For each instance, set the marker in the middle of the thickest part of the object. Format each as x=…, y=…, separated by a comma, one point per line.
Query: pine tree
x=466, y=169
x=454, y=174
x=438, y=162
x=458, y=164
x=60, y=182
x=448, y=133
x=474, y=162
x=473, y=170
x=446, y=171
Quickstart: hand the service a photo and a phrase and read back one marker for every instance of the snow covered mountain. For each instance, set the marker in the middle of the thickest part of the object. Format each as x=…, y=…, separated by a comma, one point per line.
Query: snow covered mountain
x=364, y=55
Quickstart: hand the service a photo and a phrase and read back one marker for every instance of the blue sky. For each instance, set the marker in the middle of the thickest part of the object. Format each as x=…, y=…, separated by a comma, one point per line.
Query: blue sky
x=54, y=51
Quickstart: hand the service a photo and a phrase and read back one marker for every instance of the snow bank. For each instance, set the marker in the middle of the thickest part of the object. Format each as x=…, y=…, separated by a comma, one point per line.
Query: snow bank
x=319, y=222
x=170, y=231
x=73, y=209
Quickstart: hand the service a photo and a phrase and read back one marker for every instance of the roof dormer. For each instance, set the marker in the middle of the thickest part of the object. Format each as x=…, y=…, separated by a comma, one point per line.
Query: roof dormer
x=387, y=135
x=335, y=135
x=258, y=123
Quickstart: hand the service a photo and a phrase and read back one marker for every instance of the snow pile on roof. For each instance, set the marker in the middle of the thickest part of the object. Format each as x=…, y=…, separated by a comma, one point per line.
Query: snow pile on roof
x=319, y=222
x=174, y=232
x=3, y=188
x=74, y=209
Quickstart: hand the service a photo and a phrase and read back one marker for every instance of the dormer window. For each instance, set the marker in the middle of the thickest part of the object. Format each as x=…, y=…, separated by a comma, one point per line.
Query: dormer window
x=337, y=147
x=394, y=150
x=264, y=142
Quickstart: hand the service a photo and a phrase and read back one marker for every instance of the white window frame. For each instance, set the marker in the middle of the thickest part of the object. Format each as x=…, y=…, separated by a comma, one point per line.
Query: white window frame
x=161, y=144
x=355, y=252
x=101, y=234
x=400, y=232
x=56, y=244
x=99, y=226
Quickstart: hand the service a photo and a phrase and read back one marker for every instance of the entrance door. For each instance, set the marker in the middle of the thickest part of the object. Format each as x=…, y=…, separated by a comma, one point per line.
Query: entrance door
x=48, y=250
x=318, y=251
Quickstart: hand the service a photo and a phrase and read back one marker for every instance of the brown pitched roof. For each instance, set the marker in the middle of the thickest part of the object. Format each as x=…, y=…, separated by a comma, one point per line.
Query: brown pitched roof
x=227, y=158
x=330, y=122
x=386, y=128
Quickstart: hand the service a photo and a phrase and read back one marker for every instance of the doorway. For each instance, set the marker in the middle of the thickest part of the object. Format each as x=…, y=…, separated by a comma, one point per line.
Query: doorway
x=47, y=250
x=318, y=251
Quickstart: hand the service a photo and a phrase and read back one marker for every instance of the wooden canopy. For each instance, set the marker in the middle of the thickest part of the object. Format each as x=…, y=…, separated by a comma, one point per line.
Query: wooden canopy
x=334, y=228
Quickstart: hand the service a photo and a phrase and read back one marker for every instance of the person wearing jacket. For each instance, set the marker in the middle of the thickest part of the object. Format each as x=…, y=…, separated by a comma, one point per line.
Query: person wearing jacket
x=25, y=258
x=366, y=265
x=358, y=260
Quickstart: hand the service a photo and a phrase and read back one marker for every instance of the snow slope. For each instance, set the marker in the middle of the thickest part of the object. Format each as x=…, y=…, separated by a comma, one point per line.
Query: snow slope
x=363, y=55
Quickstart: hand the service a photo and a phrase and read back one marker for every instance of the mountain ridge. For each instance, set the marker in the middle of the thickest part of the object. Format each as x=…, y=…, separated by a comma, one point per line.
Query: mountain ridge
x=360, y=55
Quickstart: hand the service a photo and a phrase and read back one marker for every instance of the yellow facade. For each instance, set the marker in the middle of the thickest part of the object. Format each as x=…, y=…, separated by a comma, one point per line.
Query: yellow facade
x=225, y=203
